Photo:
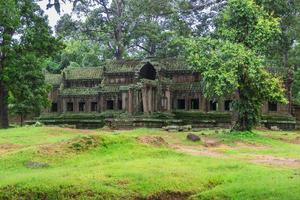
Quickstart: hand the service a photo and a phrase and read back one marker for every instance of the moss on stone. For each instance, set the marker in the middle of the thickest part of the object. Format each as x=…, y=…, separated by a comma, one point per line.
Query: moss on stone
x=53, y=79
x=80, y=91
x=83, y=73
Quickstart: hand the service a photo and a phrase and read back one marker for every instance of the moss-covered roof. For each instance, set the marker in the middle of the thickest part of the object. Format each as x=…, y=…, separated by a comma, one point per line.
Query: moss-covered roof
x=53, y=79
x=172, y=64
x=110, y=88
x=121, y=66
x=83, y=73
x=80, y=91
x=186, y=86
x=168, y=64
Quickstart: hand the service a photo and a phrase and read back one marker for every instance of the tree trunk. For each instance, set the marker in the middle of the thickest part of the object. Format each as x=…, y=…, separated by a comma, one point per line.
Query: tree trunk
x=118, y=32
x=21, y=119
x=242, y=122
x=3, y=106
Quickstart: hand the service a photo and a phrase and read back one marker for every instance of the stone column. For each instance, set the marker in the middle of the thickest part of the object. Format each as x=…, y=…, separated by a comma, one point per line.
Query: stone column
x=221, y=107
x=101, y=104
x=116, y=103
x=64, y=105
x=124, y=101
x=145, y=99
x=203, y=104
x=168, y=95
x=137, y=101
x=150, y=100
x=88, y=105
x=130, y=99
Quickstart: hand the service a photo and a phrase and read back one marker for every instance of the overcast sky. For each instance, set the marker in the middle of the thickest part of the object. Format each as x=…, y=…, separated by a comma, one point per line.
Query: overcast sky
x=52, y=14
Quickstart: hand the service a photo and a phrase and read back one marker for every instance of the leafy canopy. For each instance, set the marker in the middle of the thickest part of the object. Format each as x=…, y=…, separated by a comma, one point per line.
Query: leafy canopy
x=232, y=61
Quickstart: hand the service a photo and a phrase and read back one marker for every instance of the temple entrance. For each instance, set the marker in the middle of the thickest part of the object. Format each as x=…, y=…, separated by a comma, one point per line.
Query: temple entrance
x=148, y=72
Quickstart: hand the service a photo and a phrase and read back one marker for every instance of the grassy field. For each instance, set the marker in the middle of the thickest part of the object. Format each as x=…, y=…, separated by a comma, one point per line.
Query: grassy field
x=60, y=163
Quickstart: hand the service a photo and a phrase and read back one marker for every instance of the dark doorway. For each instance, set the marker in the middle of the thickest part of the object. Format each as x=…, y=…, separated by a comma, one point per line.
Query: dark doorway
x=109, y=104
x=228, y=105
x=120, y=104
x=195, y=104
x=181, y=104
x=70, y=107
x=272, y=106
x=81, y=106
x=54, y=107
x=94, y=106
x=148, y=72
x=213, y=106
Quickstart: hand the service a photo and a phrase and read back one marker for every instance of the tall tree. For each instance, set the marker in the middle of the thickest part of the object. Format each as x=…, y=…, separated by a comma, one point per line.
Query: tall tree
x=281, y=50
x=138, y=28
x=232, y=62
x=10, y=20
x=24, y=34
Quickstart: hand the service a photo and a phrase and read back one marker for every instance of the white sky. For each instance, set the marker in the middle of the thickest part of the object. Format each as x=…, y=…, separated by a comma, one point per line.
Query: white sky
x=52, y=14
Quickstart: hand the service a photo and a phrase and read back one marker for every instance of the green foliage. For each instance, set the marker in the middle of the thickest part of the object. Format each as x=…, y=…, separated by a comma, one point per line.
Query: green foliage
x=247, y=23
x=28, y=91
x=282, y=53
x=234, y=63
x=296, y=87
x=135, y=28
x=26, y=46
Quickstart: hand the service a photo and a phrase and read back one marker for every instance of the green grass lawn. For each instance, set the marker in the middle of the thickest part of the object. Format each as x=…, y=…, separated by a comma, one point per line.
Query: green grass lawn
x=58, y=163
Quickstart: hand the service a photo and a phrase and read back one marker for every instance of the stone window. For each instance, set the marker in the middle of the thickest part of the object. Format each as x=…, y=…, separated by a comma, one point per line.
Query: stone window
x=213, y=106
x=70, y=107
x=109, y=104
x=120, y=104
x=272, y=106
x=195, y=104
x=81, y=106
x=228, y=105
x=181, y=104
x=54, y=107
x=94, y=106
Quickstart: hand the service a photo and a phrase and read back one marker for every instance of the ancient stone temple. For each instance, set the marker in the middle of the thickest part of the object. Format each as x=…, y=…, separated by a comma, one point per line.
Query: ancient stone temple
x=136, y=86
x=151, y=92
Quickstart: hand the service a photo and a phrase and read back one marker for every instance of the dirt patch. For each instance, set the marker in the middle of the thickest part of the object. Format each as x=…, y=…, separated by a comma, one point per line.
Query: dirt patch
x=197, y=151
x=296, y=140
x=276, y=161
x=248, y=145
x=210, y=142
x=152, y=140
x=6, y=148
x=56, y=130
x=168, y=195
x=78, y=144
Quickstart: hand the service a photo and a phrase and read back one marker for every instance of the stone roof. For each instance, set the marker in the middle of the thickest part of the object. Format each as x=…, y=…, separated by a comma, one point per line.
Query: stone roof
x=80, y=91
x=186, y=86
x=113, y=67
x=53, y=79
x=110, y=88
x=122, y=66
x=83, y=73
x=172, y=64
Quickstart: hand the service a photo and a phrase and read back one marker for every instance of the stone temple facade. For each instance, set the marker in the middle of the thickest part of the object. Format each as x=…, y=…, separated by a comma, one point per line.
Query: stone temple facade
x=136, y=86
